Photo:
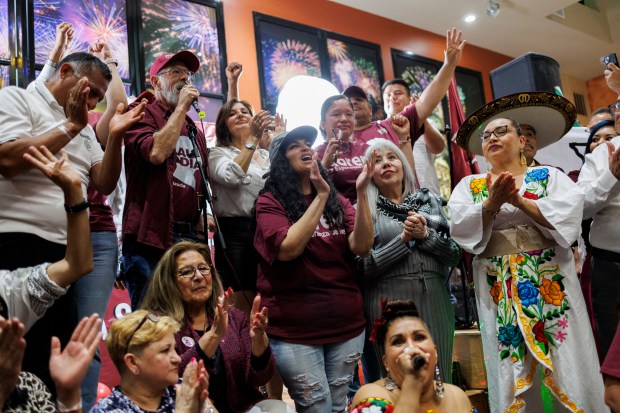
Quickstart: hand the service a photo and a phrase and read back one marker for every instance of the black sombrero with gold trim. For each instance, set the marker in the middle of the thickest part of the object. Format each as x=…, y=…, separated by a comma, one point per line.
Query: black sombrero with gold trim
x=551, y=115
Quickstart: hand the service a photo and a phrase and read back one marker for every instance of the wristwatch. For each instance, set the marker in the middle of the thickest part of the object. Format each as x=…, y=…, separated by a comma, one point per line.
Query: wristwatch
x=250, y=146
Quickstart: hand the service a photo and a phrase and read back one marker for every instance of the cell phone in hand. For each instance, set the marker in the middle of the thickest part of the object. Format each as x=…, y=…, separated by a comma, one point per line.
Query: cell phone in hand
x=610, y=58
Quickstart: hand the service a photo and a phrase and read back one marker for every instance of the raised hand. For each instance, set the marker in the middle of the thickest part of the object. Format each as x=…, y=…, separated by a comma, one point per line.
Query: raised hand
x=100, y=50
x=401, y=126
x=68, y=368
x=234, y=71
x=12, y=346
x=368, y=171
x=454, y=47
x=501, y=190
x=259, y=123
x=404, y=361
x=122, y=121
x=259, y=321
x=612, y=77
x=64, y=36
x=76, y=106
x=321, y=186
x=60, y=171
x=220, y=321
x=187, y=95
x=279, y=124
x=614, y=159
x=193, y=392
x=276, y=127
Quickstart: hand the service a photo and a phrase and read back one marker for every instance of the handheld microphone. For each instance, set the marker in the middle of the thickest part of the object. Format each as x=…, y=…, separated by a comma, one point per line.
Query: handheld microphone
x=201, y=114
x=195, y=105
x=418, y=362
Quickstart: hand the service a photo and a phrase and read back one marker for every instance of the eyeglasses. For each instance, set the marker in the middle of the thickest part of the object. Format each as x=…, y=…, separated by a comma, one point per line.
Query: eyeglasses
x=614, y=107
x=499, y=132
x=150, y=316
x=177, y=72
x=189, y=271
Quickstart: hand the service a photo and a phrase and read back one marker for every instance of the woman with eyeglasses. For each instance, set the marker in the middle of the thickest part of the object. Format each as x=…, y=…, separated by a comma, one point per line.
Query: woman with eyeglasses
x=520, y=223
x=235, y=350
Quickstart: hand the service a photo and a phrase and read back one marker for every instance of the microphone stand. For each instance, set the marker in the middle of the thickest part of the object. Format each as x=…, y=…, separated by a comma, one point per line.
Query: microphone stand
x=208, y=198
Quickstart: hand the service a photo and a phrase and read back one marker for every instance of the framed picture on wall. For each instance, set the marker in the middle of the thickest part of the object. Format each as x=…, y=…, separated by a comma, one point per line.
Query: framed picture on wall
x=470, y=88
x=285, y=49
x=98, y=20
x=354, y=62
x=419, y=72
x=173, y=25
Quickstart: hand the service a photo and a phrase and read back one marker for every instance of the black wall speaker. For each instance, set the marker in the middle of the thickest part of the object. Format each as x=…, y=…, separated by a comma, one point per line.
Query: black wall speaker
x=528, y=73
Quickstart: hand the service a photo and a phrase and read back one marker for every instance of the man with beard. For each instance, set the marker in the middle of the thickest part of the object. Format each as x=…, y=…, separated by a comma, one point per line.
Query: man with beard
x=163, y=181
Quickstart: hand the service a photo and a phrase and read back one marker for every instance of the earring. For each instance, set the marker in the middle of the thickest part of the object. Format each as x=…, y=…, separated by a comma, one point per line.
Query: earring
x=438, y=383
x=523, y=160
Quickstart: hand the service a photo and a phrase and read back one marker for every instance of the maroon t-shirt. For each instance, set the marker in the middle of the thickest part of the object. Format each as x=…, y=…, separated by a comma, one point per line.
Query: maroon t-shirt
x=185, y=182
x=611, y=365
x=314, y=298
x=349, y=165
x=149, y=204
x=100, y=217
x=347, y=168
x=100, y=214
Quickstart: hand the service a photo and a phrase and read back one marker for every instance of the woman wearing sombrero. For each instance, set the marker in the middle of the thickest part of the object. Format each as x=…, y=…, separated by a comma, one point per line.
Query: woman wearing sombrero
x=520, y=222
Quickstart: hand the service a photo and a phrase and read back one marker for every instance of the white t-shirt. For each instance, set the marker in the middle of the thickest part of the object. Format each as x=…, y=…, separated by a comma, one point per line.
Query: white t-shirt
x=602, y=198
x=30, y=202
x=235, y=190
x=27, y=293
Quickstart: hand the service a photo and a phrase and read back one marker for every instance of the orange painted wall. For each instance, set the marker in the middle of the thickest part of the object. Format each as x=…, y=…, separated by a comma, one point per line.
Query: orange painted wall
x=326, y=15
x=599, y=94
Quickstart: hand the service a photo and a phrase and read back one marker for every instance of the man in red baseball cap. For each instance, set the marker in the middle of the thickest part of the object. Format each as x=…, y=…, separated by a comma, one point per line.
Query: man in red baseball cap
x=163, y=180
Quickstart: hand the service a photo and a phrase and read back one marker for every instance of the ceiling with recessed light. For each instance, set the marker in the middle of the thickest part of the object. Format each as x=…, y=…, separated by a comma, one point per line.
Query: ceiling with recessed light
x=576, y=35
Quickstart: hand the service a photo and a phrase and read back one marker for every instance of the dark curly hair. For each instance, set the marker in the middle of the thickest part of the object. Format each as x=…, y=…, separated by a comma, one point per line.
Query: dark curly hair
x=390, y=311
x=284, y=187
x=222, y=134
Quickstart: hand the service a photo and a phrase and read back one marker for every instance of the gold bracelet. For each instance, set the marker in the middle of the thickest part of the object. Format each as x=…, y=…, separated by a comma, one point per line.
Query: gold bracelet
x=406, y=140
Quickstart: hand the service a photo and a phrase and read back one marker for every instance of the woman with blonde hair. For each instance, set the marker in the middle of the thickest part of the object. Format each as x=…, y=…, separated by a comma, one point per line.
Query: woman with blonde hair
x=141, y=345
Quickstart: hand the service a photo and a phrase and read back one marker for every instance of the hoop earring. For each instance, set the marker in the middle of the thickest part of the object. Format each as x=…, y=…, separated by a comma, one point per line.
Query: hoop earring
x=439, y=390
x=522, y=159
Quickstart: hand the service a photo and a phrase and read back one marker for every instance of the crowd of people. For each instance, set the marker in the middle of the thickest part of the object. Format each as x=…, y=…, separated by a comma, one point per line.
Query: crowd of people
x=323, y=257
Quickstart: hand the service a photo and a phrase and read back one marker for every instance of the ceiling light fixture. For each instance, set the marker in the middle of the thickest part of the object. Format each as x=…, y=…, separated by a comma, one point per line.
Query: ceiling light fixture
x=492, y=8
x=469, y=18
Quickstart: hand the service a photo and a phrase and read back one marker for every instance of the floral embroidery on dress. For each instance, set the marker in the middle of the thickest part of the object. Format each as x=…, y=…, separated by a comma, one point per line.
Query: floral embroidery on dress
x=479, y=190
x=536, y=182
x=527, y=287
x=536, y=286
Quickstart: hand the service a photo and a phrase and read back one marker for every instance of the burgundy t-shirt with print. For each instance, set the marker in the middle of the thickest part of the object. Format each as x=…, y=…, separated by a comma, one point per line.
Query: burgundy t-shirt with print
x=314, y=298
x=185, y=181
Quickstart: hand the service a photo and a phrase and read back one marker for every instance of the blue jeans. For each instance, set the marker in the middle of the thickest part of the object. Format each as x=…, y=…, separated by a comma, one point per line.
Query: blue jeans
x=93, y=293
x=139, y=261
x=317, y=376
x=137, y=265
